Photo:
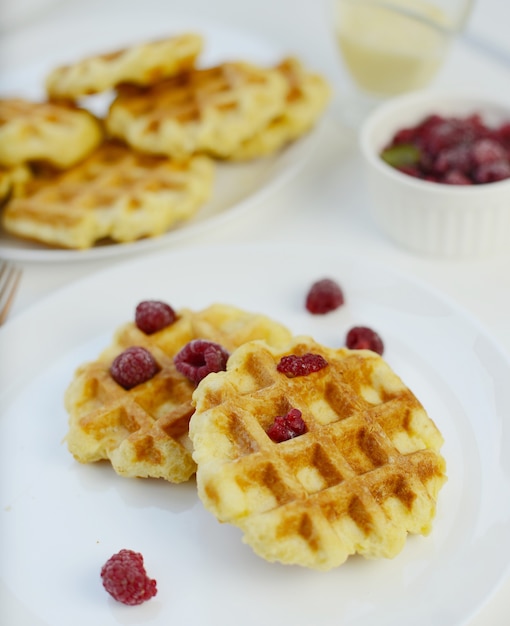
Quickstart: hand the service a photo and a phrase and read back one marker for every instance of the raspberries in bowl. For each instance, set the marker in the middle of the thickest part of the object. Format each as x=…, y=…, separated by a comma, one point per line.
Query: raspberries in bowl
x=438, y=172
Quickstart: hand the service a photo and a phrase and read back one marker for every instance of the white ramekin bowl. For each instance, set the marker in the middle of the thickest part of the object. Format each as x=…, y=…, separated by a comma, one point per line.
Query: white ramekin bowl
x=427, y=217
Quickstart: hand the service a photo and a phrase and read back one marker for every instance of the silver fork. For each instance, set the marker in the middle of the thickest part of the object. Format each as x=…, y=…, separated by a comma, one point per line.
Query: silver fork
x=10, y=275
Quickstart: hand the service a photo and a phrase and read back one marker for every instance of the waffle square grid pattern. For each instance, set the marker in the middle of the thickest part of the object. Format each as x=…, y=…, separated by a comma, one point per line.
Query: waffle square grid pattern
x=115, y=193
x=143, y=431
x=365, y=474
x=208, y=110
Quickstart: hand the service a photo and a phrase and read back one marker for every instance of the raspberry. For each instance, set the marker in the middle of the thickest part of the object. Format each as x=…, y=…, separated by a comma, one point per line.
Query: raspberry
x=324, y=296
x=454, y=177
x=287, y=426
x=454, y=158
x=132, y=367
x=404, y=136
x=293, y=365
x=153, y=315
x=199, y=358
x=492, y=172
x=502, y=134
x=410, y=170
x=487, y=150
x=125, y=579
x=441, y=133
x=364, y=338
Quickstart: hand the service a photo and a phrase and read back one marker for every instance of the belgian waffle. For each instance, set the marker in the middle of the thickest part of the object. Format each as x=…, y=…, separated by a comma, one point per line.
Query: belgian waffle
x=307, y=97
x=115, y=193
x=45, y=131
x=205, y=110
x=365, y=474
x=144, y=431
x=142, y=64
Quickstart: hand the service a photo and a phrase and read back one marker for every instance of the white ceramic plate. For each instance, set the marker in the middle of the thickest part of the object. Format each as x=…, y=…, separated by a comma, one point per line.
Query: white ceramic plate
x=238, y=187
x=60, y=520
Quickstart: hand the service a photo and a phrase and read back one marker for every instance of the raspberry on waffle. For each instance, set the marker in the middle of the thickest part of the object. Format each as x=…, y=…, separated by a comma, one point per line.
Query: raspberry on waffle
x=208, y=110
x=115, y=193
x=58, y=133
x=143, y=431
x=307, y=97
x=140, y=64
x=365, y=473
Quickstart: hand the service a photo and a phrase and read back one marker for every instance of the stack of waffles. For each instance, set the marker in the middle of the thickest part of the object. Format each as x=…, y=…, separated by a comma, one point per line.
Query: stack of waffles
x=363, y=473
x=71, y=179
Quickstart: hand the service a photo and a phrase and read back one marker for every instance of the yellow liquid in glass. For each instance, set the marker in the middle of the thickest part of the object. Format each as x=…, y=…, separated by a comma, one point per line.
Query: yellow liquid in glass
x=388, y=51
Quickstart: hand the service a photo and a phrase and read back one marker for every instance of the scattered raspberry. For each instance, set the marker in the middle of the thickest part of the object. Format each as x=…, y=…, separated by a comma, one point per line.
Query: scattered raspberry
x=199, y=358
x=287, y=426
x=324, y=296
x=153, y=315
x=134, y=366
x=125, y=579
x=293, y=365
x=363, y=338
x=452, y=150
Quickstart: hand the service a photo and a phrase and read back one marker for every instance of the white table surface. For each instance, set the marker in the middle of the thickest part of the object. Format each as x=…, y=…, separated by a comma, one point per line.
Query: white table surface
x=326, y=202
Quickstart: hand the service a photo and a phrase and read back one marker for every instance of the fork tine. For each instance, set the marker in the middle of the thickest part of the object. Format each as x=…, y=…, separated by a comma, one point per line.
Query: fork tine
x=9, y=281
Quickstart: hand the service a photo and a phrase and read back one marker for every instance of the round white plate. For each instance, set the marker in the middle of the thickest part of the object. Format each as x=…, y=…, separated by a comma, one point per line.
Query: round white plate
x=238, y=187
x=60, y=521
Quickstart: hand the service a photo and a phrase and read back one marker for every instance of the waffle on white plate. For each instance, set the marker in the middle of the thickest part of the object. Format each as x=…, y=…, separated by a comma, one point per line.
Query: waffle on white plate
x=71, y=179
x=363, y=472
x=57, y=133
x=143, y=431
x=140, y=64
x=115, y=193
x=209, y=110
x=307, y=97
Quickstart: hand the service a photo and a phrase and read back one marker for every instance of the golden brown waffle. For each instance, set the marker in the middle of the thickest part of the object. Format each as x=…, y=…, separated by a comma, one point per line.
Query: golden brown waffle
x=115, y=193
x=365, y=474
x=206, y=110
x=13, y=181
x=142, y=64
x=307, y=97
x=144, y=431
x=45, y=131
